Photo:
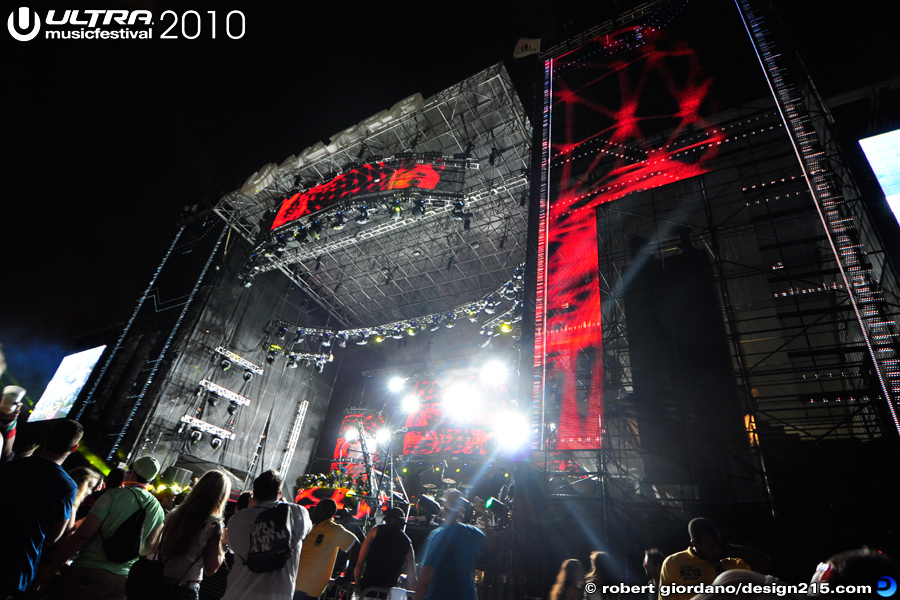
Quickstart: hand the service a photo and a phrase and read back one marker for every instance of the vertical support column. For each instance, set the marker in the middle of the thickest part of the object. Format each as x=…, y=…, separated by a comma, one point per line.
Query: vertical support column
x=863, y=290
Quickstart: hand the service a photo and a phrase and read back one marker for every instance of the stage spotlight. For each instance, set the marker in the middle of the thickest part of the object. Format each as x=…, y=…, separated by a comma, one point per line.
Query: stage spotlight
x=342, y=340
x=216, y=442
x=512, y=431
x=338, y=221
x=410, y=404
x=382, y=436
x=412, y=330
x=248, y=375
x=304, y=362
x=494, y=372
x=396, y=384
x=459, y=211
x=320, y=366
x=450, y=321
x=397, y=334
x=363, y=216
x=315, y=229
x=274, y=351
x=281, y=333
x=462, y=402
x=396, y=211
x=363, y=339
x=225, y=364
x=426, y=505
x=352, y=434
x=292, y=362
x=418, y=210
x=497, y=508
x=212, y=399
x=435, y=324
x=379, y=337
x=301, y=235
x=506, y=327
x=196, y=436
x=326, y=339
x=232, y=408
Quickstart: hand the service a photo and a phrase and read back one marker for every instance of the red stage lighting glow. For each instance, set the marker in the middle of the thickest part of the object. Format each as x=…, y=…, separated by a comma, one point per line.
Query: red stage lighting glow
x=627, y=89
x=367, y=179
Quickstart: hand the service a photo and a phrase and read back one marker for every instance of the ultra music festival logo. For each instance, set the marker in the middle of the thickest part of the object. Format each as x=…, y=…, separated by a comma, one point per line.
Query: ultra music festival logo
x=26, y=25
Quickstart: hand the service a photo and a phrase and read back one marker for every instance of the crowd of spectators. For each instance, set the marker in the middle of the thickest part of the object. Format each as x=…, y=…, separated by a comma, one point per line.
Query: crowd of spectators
x=77, y=535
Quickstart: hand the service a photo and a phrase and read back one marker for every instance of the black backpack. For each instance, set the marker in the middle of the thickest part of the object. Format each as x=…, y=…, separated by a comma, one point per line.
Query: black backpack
x=270, y=539
x=125, y=543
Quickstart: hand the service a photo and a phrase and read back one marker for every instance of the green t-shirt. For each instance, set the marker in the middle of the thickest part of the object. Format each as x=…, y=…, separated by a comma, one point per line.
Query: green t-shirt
x=113, y=508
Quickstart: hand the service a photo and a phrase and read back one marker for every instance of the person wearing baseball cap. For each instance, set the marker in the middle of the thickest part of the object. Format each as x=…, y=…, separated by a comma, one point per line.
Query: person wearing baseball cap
x=94, y=574
x=386, y=553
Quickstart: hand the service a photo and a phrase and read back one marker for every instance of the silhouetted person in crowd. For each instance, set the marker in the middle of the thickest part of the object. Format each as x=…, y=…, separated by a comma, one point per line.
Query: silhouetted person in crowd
x=600, y=575
x=653, y=561
x=244, y=584
x=320, y=550
x=569, y=581
x=113, y=481
x=36, y=500
x=213, y=586
x=190, y=543
x=93, y=574
x=448, y=572
x=706, y=558
x=858, y=567
x=386, y=553
x=87, y=480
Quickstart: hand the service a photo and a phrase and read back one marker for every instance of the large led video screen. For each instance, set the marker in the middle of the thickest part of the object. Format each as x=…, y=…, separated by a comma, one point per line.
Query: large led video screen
x=403, y=174
x=623, y=113
x=67, y=382
x=883, y=153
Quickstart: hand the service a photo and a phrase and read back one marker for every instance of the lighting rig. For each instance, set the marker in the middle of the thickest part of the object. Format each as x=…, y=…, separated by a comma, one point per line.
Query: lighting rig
x=391, y=203
x=509, y=294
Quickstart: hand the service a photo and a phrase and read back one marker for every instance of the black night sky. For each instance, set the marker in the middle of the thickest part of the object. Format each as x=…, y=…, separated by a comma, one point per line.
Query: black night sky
x=108, y=140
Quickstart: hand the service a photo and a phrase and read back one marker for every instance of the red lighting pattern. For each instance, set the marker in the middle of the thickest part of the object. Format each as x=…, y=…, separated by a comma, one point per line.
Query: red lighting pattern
x=372, y=178
x=348, y=456
x=625, y=117
x=309, y=497
x=432, y=431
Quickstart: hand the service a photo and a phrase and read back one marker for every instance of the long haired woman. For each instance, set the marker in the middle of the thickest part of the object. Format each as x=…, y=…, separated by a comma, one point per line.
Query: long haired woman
x=569, y=582
x=87, y=480
x=191, y=539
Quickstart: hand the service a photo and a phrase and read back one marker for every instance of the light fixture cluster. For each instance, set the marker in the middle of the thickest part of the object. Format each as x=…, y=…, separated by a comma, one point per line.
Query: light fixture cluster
x=231, y=357
x=392, y=204
x=503, y=306
x=225, y=393
x=198, y=428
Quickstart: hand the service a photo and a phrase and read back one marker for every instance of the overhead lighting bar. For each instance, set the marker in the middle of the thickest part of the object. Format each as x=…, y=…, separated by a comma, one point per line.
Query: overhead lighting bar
x=241, y=361
x=227, y=394
x=207, y=427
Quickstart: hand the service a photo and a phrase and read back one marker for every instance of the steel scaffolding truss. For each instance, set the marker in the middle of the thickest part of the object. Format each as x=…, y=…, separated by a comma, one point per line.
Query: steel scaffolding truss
x=385, y=270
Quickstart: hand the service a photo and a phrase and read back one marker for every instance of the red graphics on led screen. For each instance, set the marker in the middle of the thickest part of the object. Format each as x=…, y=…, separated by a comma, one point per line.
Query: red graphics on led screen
x=367, y=179
x=438, y=428
x=348, y=455
x=617, y=111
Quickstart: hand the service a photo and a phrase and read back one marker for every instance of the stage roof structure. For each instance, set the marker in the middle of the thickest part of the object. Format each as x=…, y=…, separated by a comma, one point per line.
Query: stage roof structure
x=366, y=262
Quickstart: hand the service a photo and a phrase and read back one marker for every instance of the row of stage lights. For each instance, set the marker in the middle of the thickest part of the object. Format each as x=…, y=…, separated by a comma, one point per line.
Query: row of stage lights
x=500, y=322
x=311, y=230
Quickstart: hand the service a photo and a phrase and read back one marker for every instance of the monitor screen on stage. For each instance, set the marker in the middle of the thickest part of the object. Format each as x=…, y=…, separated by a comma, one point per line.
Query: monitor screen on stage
x=63, y=389
x=883, y=153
